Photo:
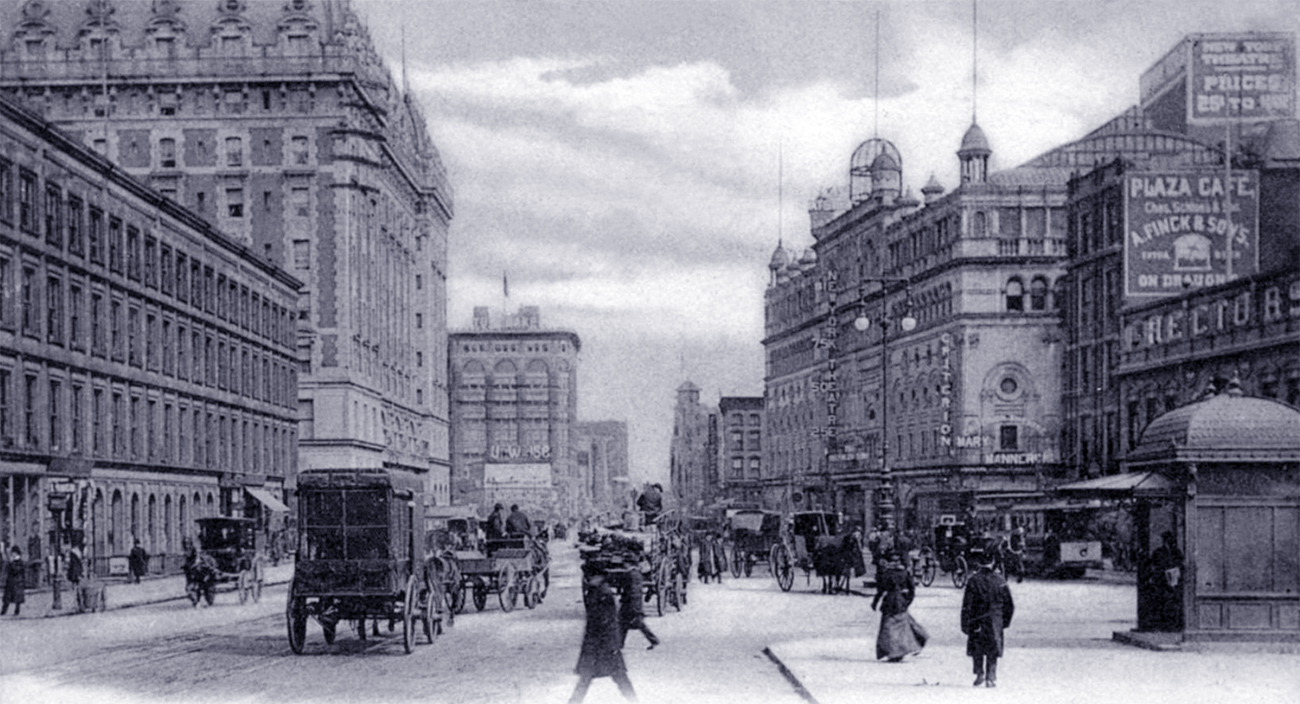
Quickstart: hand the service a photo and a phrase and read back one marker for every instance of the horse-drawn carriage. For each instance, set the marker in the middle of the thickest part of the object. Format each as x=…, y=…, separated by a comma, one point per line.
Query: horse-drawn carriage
x=755, y=535
x=814, y=542
x=227, y=552
x=656, y=558
x=706, y=537
x=358, y=557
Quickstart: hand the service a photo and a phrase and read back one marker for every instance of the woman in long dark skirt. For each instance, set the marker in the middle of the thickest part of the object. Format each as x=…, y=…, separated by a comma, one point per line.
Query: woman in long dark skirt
x=602, y=642
x=15, y=581
x=900, y=635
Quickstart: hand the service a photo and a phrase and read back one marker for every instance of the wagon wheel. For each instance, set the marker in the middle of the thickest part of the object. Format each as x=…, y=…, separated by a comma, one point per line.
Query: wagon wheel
x=431, y=600
x=661, y=586
x=457, y=595
x=244, y=585
x=928, y=571
x=480, y=594
x=408, y=615
x=296, y=617
x=959, y=572
x=782, y=567
x=507, y=592
x=259, y=578
x=737, y=558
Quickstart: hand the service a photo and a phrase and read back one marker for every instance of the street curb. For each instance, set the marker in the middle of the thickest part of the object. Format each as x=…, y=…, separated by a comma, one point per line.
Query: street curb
x=128, y=605
x=790, y=677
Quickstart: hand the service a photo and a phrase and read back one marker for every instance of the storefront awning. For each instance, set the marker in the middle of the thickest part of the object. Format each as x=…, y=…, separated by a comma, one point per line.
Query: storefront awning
x=266, y=499
x=1120, y=485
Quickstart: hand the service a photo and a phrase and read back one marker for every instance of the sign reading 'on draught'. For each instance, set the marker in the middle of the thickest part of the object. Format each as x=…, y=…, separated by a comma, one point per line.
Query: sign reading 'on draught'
x=1188, y=229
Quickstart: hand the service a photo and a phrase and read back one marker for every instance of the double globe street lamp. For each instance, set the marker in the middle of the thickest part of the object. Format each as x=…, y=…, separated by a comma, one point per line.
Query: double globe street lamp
x=885, y=496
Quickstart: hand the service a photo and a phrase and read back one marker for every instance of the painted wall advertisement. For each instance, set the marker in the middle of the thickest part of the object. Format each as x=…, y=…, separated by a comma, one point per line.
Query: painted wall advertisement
x=1189, y=229
x=516, y=477
x=1241, y=77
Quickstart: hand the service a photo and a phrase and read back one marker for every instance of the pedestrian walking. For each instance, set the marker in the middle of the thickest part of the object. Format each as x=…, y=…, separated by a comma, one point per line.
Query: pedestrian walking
x=900, y=635
x=601, y=654
x=1015, y=554
x=631, y=613
x=15, y=582
x=1164, y=577
x=76, y=567
x=139, y=562
x=986, y=609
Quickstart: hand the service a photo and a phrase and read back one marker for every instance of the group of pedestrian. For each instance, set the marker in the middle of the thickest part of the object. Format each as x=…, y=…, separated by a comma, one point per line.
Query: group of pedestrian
x=986, y=611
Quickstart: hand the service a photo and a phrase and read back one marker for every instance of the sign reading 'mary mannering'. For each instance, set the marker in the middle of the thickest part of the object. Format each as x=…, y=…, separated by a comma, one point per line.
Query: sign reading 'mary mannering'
x=1188, y=229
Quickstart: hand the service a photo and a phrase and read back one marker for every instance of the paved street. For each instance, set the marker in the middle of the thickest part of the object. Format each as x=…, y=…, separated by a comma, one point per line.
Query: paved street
x=723, y=647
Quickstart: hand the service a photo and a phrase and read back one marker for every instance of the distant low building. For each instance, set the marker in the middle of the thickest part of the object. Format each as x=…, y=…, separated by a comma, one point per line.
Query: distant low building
x=600, y=454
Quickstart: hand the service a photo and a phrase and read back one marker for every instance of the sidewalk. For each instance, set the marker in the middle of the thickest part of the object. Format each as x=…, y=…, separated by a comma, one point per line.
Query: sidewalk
x=122, y=594
x=1061, y=647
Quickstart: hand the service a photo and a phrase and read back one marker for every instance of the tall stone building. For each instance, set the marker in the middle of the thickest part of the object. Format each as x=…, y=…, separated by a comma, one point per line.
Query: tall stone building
x=693, y=452
x=1156, y=313
x=278, y=124
x=740, y=449
x=514, y=407
x=600, y=453
x=147, y=361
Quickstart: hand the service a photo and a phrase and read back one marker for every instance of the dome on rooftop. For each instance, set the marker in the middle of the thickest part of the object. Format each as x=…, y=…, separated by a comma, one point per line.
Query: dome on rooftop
x=1224, y=427
x=974, y=141
x=779, y=258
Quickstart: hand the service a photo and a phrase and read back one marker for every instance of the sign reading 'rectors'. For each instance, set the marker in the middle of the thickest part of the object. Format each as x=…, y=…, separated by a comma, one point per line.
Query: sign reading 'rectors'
x=1188, y=229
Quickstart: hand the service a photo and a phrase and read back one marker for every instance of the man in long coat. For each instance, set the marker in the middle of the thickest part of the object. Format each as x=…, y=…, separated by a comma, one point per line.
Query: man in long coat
x=986, y=609
x=602, y=641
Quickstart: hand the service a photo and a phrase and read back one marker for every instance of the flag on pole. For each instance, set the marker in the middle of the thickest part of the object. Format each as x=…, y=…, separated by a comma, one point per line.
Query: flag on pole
x=505, y=284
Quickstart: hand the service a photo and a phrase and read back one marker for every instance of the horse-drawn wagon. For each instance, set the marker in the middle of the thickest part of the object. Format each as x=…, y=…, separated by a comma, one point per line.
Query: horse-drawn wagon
x=226, y=553
x=358, y=558
x=755, y=535
x=813, y=542
x=508, y=567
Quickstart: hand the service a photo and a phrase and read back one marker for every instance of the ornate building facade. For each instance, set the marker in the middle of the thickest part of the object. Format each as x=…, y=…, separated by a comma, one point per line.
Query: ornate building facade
x=514, y=408
x=277, y=123
x=147, y=361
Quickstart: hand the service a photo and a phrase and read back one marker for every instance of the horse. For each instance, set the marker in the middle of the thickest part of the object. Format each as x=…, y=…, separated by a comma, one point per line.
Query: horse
x=837, y=560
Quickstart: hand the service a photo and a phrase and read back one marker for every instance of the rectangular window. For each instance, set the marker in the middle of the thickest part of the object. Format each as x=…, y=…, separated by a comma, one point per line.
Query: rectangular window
x=151, y=342
x=150, y=262
x=182, y=358
x=27, y=201
x=6, y=438
x=6, y=191
x=117, y=340
x=300, y=202
x=53, y=215
x=29, y=296
x=133, y=425
x=165, y=265
x=298, y=150
x=97, y=421
x=30, y=437
x=167, y=347
x=182, y=271
x=97, y=323
x=56, y=423
x=76, y=243
x=235, y=202
x=115, y=245
x=6, y=300
x=132, y=337
x=301, y=254
x=95, y=236
x=133, y=262
x=167, y=153
x=78, y=417
x=234, y=151
x=1009, y=438
x=54, y=310
x=76, y=301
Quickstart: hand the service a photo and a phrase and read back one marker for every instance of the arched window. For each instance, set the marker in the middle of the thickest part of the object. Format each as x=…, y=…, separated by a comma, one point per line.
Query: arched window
x=1038, y=294
x=1015, y=295
x=980, y=226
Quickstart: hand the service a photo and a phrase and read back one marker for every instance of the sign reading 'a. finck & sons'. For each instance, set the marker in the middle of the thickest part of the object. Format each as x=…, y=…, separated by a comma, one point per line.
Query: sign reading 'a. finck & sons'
x=1241, y=77
x=1182, y=228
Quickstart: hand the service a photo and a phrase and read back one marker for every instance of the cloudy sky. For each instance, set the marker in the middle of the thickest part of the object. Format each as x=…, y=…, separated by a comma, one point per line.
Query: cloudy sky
x=621, y=160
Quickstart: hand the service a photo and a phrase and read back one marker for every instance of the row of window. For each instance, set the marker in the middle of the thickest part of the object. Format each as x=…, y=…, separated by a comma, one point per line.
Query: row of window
x=167, y=156
x=1040, y=295
x=87, y=233
x=87, y=315
x=108, y=418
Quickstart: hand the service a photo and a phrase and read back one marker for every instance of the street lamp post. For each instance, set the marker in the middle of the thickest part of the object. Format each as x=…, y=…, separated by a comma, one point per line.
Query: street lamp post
x=885, y=508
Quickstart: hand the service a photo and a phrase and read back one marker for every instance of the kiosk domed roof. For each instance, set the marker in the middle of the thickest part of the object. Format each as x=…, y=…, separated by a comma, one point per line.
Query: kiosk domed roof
x=1224, y=427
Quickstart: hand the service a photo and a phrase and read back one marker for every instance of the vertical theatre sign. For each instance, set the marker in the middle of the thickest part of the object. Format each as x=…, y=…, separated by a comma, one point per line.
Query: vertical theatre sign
x=1241, y=77
x=1188, y=229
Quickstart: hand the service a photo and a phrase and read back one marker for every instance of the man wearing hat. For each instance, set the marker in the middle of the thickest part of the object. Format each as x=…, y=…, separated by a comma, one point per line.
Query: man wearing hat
x=986, y=610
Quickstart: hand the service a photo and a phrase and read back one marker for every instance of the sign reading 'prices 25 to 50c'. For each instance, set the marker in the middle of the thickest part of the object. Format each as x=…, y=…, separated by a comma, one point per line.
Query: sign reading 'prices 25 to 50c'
x=1188, y=229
